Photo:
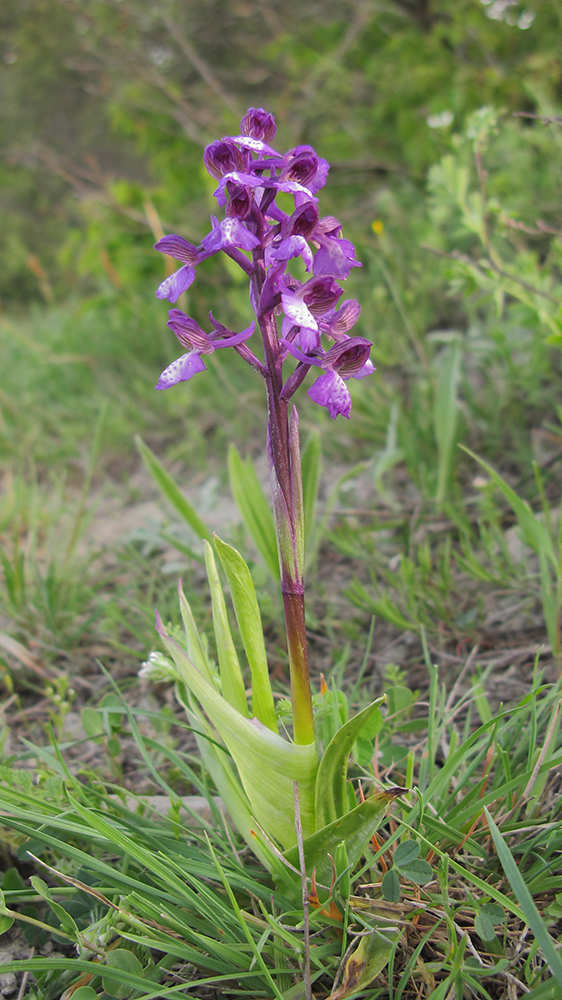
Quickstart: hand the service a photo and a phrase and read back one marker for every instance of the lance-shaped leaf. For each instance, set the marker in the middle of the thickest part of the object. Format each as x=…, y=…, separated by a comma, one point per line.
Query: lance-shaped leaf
x=251, y=630
x=355, y=828
x=267, y=764
x=331, y=797
x=232, y=683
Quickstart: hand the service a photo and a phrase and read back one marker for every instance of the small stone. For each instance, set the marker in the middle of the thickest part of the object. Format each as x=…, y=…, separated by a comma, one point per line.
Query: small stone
x=8, y=984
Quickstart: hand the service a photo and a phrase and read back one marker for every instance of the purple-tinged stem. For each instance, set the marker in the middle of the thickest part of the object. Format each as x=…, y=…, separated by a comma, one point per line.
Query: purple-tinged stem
x=287, y=509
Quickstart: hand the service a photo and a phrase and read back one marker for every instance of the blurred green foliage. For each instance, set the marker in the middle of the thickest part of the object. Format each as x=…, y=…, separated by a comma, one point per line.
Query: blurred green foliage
x=107, y=103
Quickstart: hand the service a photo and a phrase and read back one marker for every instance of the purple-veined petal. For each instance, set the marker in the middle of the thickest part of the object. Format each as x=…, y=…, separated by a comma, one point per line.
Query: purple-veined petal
x=178, y=282
x=293, y=246
x=346, y=316
x=188, y=332
x=222, y=157
x=335, y=257
x=321, y=293
x=258, y=124
x=329, y=226
x=181, y=370
x=178, y=248
x=367, y=369
x=296, y=310
x=331, y=391
x=240, y=202
x=302, y=222
x=348, y=356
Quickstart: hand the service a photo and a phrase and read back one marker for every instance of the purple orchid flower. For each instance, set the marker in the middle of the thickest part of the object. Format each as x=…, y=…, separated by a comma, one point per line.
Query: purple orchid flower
x=230, y=233
x=304, y=305
x=258, y=124
x=190, y=335
x=347, y=359
x=335, y=255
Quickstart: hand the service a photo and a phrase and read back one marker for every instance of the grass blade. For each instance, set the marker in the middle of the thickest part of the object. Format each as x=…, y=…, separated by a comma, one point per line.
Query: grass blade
x=525, y=900
x=171, y=491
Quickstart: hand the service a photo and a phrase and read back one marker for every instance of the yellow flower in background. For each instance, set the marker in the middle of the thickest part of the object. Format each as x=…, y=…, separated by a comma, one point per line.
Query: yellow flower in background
x=378, y=227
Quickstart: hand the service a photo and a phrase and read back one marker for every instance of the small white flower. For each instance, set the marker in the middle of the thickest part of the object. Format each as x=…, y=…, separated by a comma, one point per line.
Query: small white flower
x=158, y=668
x=442, y=120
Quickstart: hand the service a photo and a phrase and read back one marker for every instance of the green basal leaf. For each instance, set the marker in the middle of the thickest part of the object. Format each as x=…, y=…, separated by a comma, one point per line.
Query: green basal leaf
x=232, y=682
x=331, y=799
x=342, y=886
x=254, y=508
x=266, y=763
x=355, y=828
x=250, y=625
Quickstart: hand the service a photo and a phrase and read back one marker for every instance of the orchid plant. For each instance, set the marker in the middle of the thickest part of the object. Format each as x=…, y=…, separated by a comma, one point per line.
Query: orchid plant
x=273, y=762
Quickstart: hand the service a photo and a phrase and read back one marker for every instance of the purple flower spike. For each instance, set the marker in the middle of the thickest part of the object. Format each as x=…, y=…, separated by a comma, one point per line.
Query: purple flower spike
x=258, y=124
x=298, y=316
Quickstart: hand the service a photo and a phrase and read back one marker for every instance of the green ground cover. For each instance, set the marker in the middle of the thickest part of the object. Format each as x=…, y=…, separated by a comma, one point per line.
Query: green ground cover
x=434, y=572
